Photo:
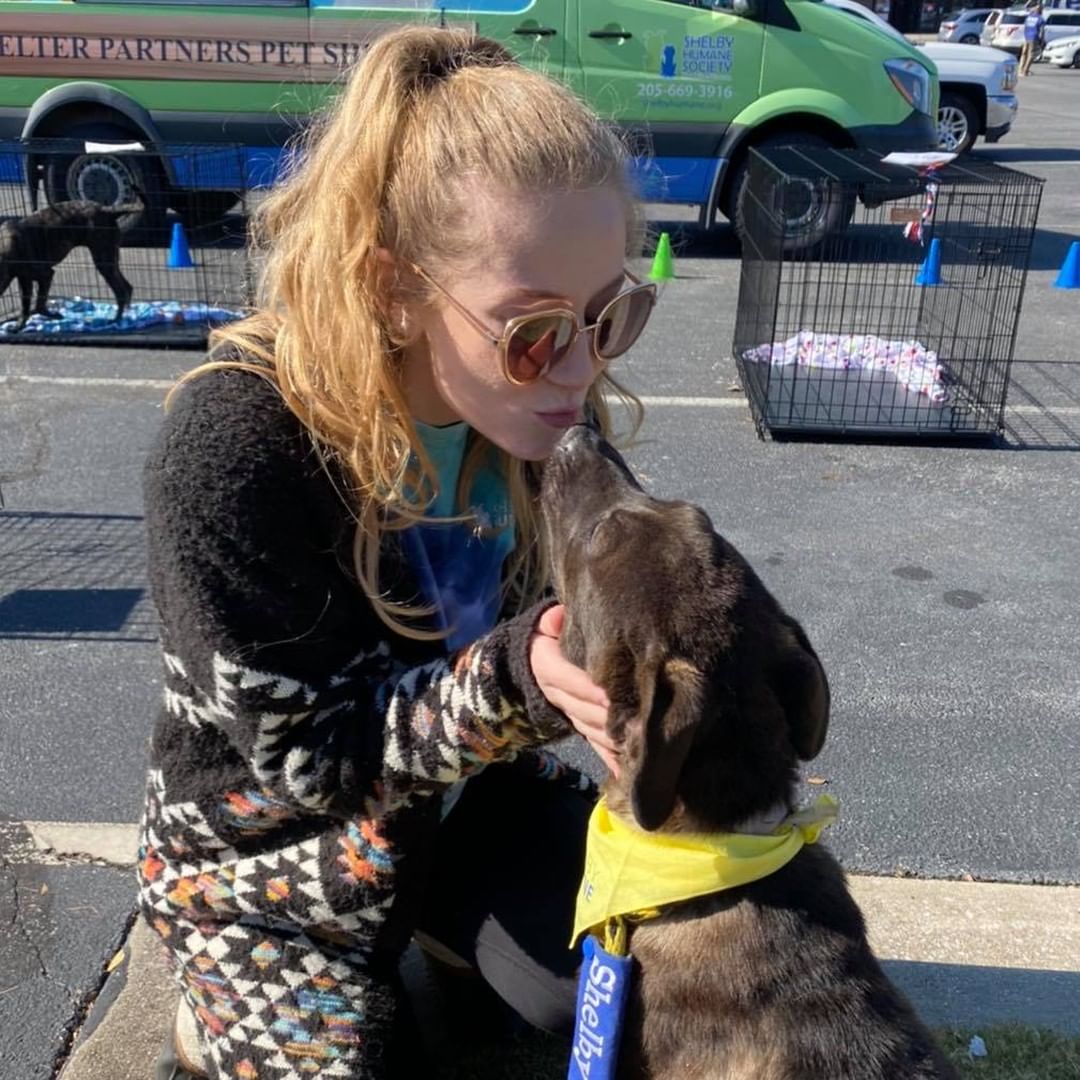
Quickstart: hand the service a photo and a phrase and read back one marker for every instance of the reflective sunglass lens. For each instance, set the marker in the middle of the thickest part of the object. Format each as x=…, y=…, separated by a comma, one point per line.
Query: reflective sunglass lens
x=537, y=344
x=621, y=323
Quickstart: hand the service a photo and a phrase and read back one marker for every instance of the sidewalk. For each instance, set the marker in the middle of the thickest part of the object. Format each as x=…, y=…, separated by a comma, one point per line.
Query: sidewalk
x=967, y=954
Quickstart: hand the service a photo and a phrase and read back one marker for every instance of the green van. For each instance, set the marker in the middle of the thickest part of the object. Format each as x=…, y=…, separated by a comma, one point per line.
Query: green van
x=701, y=80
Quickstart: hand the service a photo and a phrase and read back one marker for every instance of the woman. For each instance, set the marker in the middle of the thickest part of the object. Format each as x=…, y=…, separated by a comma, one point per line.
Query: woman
x=348, y=566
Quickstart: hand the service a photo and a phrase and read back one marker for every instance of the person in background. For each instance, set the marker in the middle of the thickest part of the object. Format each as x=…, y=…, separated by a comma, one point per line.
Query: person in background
x=361, y=655
x=1034, y=28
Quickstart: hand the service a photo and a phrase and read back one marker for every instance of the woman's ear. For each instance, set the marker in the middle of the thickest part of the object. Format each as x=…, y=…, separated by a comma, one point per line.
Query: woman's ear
x=394, y=306
x=386, y=272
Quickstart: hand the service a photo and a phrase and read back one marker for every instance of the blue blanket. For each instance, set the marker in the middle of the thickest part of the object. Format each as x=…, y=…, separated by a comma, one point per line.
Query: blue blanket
x=79, y=316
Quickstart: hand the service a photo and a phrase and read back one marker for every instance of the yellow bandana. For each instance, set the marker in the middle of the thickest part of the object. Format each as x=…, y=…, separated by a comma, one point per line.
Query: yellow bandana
x=632, y=873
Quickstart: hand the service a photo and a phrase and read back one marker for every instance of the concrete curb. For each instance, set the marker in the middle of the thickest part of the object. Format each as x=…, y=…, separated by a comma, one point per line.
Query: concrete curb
x=126, y=1041
x=967, y=954
x=972, y=954
x=1028, y=927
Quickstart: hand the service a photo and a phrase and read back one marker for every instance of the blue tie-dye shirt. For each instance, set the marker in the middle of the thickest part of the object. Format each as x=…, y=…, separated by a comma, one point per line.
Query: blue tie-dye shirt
x=458, y=565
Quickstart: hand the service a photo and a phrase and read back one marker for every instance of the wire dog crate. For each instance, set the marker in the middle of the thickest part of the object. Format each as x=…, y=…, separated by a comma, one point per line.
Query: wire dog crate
x=178, y=259
x=901, y=319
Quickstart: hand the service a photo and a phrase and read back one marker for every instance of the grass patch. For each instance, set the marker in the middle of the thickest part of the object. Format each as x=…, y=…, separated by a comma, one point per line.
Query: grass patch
x=1014, y=1052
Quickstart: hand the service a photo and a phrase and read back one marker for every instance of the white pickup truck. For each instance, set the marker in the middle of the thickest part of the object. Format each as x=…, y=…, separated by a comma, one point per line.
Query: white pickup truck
x=977, y=85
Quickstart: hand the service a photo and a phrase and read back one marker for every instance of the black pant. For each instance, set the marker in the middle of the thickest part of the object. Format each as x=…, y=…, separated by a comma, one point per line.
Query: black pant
x=508, y=864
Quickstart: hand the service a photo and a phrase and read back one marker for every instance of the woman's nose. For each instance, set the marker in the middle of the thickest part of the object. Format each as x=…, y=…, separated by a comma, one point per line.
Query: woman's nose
x=577, y=369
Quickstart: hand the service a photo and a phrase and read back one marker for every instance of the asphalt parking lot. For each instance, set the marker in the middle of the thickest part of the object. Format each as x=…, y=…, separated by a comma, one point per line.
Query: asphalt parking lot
x=938, y=583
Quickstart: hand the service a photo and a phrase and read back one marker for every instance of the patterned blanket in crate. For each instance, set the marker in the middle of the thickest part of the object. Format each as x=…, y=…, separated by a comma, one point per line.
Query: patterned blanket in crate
x=913, y=365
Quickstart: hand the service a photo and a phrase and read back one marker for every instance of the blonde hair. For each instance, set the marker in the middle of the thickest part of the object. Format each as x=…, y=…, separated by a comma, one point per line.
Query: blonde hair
x=424, y=106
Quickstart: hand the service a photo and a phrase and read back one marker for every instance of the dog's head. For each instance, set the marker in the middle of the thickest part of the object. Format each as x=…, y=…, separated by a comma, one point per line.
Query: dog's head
x=715, y=692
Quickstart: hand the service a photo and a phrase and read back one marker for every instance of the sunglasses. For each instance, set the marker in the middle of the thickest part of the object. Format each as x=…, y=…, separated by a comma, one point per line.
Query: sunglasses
x=531, y=345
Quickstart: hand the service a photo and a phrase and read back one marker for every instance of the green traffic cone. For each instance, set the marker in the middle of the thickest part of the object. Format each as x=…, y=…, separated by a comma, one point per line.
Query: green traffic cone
x=663, y=265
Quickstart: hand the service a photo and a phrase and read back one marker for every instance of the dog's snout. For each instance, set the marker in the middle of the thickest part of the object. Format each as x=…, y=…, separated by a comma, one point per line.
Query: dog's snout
x=583, y=452
x=578, y=438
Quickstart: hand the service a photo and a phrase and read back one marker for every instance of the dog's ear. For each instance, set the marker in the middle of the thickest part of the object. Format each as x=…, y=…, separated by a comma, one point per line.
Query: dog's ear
x=658, y=738
x=803, y=691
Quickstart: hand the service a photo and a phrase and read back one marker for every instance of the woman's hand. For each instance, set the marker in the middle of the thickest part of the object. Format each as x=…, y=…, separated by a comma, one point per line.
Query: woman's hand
x=569, y=688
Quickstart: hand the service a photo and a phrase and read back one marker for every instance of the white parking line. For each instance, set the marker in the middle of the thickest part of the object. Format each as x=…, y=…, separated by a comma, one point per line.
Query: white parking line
x=84, y=381
x=1031, y=161
x=735, y=402
x=648, y=400
x=693, y=402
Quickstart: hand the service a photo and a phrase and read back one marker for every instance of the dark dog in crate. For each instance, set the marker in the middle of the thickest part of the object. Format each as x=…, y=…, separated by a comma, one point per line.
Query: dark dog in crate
x=32, y=247
x=716, y=693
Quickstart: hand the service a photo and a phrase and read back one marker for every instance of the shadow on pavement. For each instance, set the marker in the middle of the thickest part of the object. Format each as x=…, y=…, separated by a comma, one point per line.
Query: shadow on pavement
x=74, y=577
x=1043, y=411
x=968, y=995
x=1049, y=248
x=1006, y=155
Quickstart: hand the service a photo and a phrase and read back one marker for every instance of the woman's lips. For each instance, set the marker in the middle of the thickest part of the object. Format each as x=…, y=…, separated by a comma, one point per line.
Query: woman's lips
x=563, y=419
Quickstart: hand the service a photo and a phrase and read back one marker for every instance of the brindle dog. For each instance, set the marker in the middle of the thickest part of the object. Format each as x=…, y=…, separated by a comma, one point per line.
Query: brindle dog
x=715, y=695
x=32, y=247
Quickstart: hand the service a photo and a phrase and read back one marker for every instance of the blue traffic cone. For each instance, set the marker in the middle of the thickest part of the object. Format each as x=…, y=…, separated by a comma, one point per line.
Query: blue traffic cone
x=930, y=271
x=1069, y=274
x=179, y=252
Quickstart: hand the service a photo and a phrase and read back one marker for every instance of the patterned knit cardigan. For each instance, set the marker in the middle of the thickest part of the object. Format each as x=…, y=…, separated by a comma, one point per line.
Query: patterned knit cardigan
x=300, y=756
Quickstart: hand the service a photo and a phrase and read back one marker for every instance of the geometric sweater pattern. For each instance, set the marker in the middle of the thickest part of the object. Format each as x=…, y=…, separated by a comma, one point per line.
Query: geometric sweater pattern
x=301, y=753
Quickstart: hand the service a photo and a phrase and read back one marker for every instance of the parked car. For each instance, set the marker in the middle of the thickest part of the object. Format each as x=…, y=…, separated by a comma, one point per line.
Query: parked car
x=1060, y=24
x=1063, y=53
x=977, y=85
x=1005, y=29
x=1005, y=26
x=963, y=26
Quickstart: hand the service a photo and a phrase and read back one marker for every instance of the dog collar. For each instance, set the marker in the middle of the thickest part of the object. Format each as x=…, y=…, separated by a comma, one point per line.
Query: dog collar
x=630, y=874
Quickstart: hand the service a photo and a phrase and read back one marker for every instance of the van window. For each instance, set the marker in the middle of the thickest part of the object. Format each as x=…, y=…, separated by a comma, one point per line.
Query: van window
x=1010, y=19
x=729, y=7
x=202, y=3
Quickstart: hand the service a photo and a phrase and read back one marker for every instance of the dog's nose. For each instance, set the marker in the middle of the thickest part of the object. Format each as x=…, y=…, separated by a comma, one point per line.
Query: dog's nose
x=577, y=437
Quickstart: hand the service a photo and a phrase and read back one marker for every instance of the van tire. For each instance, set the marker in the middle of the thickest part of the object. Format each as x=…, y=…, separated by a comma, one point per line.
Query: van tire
x=832, y=215
x=71, y=177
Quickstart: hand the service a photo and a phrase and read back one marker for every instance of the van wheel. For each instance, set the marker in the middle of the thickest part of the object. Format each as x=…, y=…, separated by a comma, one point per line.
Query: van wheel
x=970, y=39
x=107, y=178
x=957, y=123
x=811, y=211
